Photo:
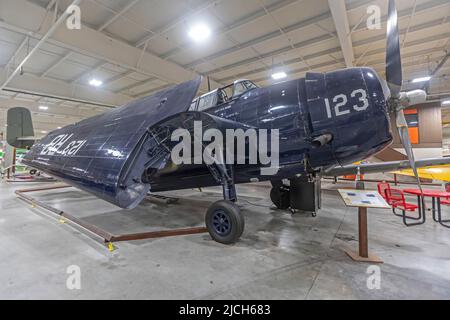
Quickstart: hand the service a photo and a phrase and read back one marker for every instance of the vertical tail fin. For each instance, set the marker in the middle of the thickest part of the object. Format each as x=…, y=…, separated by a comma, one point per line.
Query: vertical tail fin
x=20, y=132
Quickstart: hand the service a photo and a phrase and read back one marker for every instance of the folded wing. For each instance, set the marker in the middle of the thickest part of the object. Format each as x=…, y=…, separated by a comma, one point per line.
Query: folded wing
x=107, y=155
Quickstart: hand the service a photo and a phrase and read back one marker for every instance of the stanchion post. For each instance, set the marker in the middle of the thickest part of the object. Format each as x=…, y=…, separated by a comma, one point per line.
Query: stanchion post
x=363, y=254
x=363, y=237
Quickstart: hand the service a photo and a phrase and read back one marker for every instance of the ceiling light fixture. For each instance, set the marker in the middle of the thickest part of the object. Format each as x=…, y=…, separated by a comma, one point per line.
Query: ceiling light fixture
x=446, y=102
x=43, y=132
x=279, y=75
x=199, y=32
x=95, y=82
x=43, y=108
x=423, y=79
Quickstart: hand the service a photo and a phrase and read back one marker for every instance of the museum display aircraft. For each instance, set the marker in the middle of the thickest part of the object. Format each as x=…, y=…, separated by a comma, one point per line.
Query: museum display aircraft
x=325, y=122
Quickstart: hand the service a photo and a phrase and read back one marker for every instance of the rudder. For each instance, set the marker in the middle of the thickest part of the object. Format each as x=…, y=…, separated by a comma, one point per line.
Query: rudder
x=20, y=131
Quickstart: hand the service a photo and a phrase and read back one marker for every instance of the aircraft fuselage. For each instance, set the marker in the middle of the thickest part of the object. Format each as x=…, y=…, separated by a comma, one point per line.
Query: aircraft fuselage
x=117, y=157
x=350, y=105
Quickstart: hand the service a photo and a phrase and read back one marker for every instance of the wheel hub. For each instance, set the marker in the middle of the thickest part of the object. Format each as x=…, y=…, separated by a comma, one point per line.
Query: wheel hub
x=221, y=223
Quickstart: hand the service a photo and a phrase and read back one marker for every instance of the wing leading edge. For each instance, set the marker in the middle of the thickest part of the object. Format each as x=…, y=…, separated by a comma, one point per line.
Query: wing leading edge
x=106, y=155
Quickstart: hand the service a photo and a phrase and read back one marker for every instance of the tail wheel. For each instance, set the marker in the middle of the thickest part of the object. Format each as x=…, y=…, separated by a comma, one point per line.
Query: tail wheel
x=281, y=198
x=225, y=222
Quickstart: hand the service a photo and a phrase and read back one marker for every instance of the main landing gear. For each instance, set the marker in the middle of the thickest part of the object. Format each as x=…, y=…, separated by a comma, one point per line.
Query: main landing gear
x=224, y=220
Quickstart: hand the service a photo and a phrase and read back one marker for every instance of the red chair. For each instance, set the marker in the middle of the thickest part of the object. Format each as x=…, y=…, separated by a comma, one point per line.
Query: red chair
x=396, y=199
x=446, y=202
x=382, y=188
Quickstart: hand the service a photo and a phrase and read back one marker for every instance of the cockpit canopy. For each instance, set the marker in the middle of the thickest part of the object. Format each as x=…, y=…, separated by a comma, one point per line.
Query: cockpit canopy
x=222, y=95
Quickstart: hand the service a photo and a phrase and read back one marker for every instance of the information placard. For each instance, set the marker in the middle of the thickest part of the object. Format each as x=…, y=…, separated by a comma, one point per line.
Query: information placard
x=363, y=198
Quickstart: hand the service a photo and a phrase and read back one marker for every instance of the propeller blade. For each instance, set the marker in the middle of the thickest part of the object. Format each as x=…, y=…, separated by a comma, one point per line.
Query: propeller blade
x=394, y=74
x=403, y=131
x=394, y=78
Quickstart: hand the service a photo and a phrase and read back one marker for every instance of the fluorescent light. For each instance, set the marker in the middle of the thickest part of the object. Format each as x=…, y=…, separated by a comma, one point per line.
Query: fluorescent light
x=95, y=82
x=279, y=75
x=59, y=128
x=43, y=108
x=423, y=79
x=446, y=102
x=43, y=132
x=199, y=32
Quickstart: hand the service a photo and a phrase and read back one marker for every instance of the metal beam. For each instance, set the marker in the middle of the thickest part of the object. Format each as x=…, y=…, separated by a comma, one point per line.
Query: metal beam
x=162, y=30
x=151, y=91
x=436, y=70
x=95, y=44
x=46, y=36
x=235, y=25
x=409, y=55
x=305, y=44
x=339, y=13
x=342, y=61
x=64, y=58
x=57, y=63
x=118, y=77
x=19, y=48
x=419, y=9
x=334, y=50
x=35, y=85
x=253, y=17
x=69, y=112
x=134, y=85
x=96, y=68
x=284, y=63
x=269, y=36
x=277, y=52
x=299, y=25
x=118, y=15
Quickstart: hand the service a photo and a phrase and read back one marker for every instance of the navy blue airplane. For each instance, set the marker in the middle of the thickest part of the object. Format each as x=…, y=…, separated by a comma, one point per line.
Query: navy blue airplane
x=326, y=121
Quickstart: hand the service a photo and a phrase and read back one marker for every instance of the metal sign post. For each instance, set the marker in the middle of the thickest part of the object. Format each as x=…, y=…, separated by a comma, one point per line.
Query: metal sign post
x=362, y=199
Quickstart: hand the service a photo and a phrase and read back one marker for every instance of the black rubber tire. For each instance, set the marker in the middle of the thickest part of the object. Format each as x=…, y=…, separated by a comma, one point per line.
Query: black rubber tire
x=281, y=198
x=235, y=219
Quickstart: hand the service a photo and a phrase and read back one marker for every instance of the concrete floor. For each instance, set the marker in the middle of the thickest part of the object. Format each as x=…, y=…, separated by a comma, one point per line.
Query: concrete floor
x=279, y=257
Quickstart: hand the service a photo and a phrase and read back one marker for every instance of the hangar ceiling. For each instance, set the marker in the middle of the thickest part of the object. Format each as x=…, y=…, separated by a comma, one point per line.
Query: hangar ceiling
x=137, y=47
